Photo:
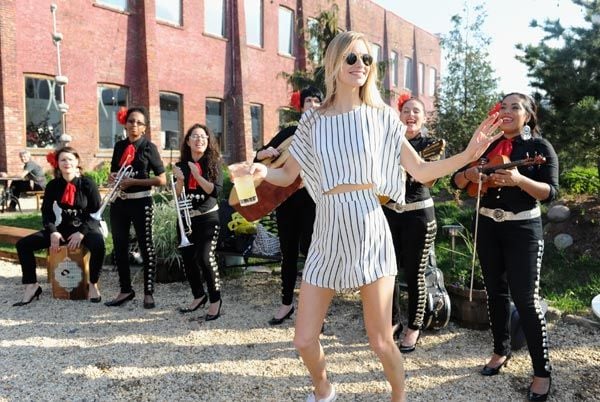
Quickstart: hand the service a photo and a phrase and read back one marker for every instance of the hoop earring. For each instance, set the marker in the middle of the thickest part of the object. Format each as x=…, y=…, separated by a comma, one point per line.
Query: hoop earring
x=526, y=132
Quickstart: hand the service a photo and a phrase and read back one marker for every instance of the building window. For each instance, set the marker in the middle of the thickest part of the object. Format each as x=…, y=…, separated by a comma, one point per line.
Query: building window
x=215, y=120
x=376, y=49
x=110, y=99
x=42, y=116
x=214, y=17
x=170, y=119
x=394, y=69
x=254, y=22
x=169, y=11
x=286, y=31
x=432, y=84
x=408, y=74
x=421, y=78
x=256, y=115
x=119, y=4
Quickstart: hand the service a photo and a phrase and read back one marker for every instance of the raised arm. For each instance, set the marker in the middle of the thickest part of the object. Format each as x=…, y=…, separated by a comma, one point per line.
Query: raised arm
x=282, y=177
x=426, y=171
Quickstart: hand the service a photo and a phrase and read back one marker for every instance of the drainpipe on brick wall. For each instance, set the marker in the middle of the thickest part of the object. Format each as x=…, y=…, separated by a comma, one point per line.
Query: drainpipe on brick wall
x=60, y=80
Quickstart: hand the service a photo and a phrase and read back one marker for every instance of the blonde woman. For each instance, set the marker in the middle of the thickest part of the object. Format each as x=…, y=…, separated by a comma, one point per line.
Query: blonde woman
x=348, y=150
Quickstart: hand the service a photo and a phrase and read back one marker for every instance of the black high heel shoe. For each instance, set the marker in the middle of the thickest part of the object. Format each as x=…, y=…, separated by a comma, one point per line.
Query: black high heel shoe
x=489, y=371
x=118, y=302
x=210, y=317
x=411, y=348
x=149, y=304
x=532, y=396
x=36, y=295
x=185, y=310
x=94, y=299
x=278, y=321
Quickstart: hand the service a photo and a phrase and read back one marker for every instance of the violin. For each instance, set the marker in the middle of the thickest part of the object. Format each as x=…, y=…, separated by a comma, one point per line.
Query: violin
x=496, y=163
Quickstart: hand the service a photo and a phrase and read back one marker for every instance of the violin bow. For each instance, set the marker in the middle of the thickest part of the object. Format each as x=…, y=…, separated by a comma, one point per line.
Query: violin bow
x=479, y=183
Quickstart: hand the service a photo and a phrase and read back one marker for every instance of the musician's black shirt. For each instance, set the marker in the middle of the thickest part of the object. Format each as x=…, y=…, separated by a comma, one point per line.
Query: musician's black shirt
x=201, y=200
x=512, y=198
x=147, y=158
x=279, y=138
x=75, y=218
x=416, y=191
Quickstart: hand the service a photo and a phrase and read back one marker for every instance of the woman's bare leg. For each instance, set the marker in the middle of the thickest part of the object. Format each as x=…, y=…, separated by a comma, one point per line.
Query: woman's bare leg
x=377, y=311
x=313, y=304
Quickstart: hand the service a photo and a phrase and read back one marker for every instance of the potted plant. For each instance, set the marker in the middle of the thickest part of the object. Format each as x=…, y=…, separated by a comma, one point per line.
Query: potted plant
x=469, y=309
x=169, y=264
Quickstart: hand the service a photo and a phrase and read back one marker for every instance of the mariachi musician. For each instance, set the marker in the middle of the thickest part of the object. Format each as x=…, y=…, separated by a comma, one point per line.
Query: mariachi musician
x=295, y=216
x=69, y=199
x=413, y=227
x=509, y=234
x=134, y=202
x=200, y=179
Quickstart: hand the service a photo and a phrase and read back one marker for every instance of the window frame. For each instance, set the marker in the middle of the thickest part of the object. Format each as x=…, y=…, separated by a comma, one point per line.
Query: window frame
x=32, y=128
x=114, y=116
x=394, y=68
x=102, y=3
x=261, y=24
x=408, y=74
x=261, y=133
x=291, y=33
x=223, y=33
x=166, y=21
x=179, y=122
x=432, y=84
x=421, y=78
x=223, y=140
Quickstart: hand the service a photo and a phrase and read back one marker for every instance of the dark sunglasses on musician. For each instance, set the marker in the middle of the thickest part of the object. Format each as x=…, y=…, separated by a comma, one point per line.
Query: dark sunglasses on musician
x=352, y=58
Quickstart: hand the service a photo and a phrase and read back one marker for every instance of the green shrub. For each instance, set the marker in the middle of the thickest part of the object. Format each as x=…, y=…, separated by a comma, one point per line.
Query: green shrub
x=99, y=174
x=165, y=233
x=580, y=180
x=227, y=185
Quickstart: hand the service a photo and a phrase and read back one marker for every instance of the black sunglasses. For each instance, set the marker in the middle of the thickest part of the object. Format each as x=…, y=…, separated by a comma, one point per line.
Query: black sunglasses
x=352, y=58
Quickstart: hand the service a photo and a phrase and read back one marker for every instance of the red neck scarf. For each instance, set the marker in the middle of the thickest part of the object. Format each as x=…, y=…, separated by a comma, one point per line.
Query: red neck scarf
x=68, y=196
x=128, y=156
x=504, y=148
x=192, y=183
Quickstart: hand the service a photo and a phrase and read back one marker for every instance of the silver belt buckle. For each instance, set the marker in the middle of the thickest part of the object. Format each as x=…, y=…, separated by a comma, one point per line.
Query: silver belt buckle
x=498, y=215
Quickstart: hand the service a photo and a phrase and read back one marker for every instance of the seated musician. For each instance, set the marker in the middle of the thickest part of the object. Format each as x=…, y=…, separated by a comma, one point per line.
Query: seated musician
x=33, y=179
x=295, y=216
x=69, y=200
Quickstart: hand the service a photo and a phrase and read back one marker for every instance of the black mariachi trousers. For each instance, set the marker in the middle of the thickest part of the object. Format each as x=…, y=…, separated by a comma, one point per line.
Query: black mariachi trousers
x=511, y=253
x=199, y=259
x=413, y=233
x=122, y=214
x=26, y=247
x=295, y=219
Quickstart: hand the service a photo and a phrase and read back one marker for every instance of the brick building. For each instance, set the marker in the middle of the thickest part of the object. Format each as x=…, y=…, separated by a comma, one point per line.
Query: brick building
x=210, y=61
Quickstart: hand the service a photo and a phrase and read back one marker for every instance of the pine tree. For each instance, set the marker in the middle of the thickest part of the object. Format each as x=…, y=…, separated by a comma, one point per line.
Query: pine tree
x=468, y=89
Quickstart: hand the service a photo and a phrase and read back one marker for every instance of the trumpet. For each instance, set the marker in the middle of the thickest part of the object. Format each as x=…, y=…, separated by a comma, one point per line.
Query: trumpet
x=125, y=171
x=183, y=207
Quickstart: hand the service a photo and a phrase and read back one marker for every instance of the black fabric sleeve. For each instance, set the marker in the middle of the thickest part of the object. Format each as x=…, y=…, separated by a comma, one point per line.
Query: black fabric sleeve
x=548, y=172
x=276, y=141
x=48, y=217
x=92, y=195
x=154, y=159
x=218, y=184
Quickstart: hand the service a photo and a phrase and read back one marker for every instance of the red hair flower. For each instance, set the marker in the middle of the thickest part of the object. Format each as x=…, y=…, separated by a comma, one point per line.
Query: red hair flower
x=495, y=109
x=402, y=99
x=295, y=101
x=51, y=158
x=122, y=115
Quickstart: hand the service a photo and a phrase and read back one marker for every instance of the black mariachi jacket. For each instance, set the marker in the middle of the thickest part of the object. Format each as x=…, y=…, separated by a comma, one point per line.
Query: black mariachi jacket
x=512, y=198
x=75, y=218
x=201, y=201
x=147, y=158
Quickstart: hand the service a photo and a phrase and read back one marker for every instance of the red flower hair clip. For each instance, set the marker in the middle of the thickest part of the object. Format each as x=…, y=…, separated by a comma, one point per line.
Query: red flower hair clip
x=122, y=115
x=495, y=109
x=402, y=99
x=51, y=159
x=295, y=101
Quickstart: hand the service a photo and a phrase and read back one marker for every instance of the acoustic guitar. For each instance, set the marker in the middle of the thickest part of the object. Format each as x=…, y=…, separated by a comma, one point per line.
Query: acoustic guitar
x=269, y=195
x=431, y=152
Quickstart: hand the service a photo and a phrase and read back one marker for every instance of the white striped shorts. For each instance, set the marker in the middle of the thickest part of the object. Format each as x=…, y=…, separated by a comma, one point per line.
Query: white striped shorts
x=351, y=244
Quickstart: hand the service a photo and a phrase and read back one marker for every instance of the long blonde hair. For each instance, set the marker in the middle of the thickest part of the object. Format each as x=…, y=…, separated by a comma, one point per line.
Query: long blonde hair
x=334, y=57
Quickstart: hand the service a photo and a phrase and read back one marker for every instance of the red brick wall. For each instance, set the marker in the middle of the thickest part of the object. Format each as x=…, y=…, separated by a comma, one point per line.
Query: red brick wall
x=132, y=49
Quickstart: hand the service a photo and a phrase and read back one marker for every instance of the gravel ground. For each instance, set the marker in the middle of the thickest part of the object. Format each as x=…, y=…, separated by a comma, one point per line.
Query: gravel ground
x=64, y=350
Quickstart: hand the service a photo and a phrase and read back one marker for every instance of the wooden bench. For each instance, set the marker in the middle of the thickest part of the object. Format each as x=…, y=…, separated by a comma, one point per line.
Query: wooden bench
x=11, y=234
x=39, y=196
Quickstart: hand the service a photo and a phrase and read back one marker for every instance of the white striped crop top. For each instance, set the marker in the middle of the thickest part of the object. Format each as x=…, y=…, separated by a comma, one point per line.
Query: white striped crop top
x=358, y=147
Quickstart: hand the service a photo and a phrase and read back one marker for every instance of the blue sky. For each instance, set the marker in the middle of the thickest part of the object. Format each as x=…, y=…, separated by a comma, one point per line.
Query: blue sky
x=507, y=24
